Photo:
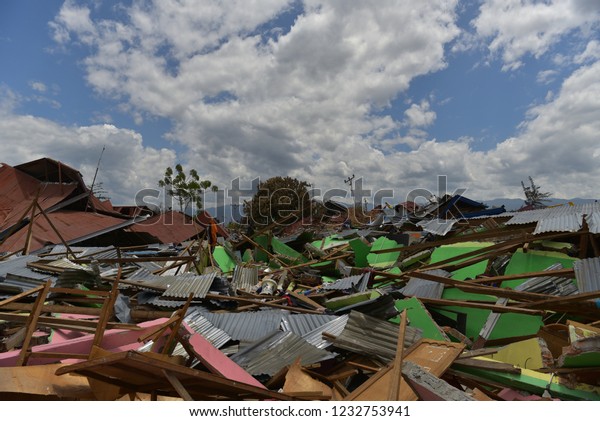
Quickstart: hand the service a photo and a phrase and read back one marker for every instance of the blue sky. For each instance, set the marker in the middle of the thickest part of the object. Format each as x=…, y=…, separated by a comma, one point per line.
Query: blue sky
x=396, y=92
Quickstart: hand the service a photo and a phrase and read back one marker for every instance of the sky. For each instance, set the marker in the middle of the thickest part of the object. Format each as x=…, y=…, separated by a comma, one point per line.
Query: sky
x=400, y=94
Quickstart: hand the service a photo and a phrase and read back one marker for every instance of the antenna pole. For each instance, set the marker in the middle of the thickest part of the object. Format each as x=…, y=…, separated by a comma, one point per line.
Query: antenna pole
x=95, y=174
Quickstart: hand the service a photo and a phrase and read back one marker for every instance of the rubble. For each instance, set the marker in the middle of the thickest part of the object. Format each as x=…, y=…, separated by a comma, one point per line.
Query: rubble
x=450, y=301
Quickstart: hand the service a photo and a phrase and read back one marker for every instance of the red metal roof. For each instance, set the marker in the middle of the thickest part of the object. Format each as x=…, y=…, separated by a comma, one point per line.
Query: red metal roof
x=18, y=190
x=72, y=225
x=169, y=227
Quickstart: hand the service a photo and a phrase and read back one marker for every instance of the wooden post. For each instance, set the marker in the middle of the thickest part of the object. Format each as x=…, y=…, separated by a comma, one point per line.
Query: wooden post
x=394, y=392
x=32, y=323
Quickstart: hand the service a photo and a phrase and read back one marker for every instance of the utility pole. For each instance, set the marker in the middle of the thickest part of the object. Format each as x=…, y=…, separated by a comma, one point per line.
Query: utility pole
x=349, y=181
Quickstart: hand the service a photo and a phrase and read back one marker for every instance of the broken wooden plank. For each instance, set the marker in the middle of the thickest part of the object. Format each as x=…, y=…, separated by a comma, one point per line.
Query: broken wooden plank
x=394, y=391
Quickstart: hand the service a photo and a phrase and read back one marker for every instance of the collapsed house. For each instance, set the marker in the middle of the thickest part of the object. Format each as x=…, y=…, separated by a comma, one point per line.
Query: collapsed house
x=453, y=301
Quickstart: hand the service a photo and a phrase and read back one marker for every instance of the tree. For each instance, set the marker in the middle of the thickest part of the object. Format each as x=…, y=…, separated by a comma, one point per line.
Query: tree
x=533, y=196
x=186, y=189
x=99, y=191
x=277, y=198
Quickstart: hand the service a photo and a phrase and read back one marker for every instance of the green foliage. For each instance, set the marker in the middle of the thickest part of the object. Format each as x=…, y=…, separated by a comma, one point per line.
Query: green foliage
x=276, y=199
x=185, y=189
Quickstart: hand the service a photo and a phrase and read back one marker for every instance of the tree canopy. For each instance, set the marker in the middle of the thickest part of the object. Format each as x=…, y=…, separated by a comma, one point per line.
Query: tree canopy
x=276, y=199
x=185, y=189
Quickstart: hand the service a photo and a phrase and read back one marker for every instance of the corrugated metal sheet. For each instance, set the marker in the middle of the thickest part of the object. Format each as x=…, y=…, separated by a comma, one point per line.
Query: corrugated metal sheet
x=587, y=273
x=248, y=326
x=563, y=218
x=334, y=327
x=165, y=303
x=184, y=285
x=571, y=222
x=357, y=283
x=552, y=285
x=19, y=189
x=276, y=351
x=373, y=337
x=301, y=324
x=244, y=278
x=109, y=252
x=19, y=278
x=593, y=221
x=17, y=266
x=201, y=325
x=74, y=227
x=437, y=226
x=423, y=288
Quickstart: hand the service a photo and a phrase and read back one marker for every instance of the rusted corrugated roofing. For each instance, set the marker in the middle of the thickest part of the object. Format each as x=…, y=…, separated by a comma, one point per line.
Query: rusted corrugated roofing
x=169, y=227
x=73, y=226
x=587, y=273
x=276, y=351
x=18, y=190
x=183, y=285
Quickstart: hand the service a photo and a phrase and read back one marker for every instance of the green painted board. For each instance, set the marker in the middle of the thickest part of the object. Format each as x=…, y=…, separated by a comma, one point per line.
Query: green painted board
x=260, y=255
x=347, y=300
x=536, y=382
x=533, y=261
x=361, y=250
x=381, y=281
x=247, y=257
x=453, y=250
x=282, y=249
x=585, y=359
x=328, y=242
x=383, y=260
x=419, y=317
x=223, y=259
x=508, y=325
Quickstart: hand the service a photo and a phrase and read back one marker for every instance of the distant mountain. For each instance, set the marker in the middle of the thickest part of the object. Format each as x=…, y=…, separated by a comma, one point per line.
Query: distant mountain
x=515, y=204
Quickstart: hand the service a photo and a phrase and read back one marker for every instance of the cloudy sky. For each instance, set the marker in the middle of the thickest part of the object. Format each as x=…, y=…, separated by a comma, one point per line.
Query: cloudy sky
x=395, y=92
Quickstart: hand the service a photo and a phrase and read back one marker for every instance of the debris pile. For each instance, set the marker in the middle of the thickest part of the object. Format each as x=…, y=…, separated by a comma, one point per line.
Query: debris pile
x=452, y=301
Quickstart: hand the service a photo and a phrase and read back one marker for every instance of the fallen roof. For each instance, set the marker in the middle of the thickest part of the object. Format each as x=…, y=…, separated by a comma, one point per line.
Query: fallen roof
x=73, y=226
x=169, y=227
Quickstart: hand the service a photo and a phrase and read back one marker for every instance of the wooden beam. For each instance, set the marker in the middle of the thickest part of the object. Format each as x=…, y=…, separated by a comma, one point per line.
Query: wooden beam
x=566, y=273
x=493, y=307
x=107, y=312
x=181, y=391
x=394, y=392
x=176, y=325
x=32, y=324
x=21, y=295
